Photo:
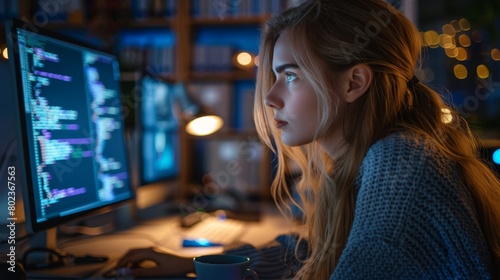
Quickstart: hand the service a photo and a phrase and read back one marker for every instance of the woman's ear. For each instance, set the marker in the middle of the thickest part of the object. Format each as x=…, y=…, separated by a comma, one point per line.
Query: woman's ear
x=357, y=80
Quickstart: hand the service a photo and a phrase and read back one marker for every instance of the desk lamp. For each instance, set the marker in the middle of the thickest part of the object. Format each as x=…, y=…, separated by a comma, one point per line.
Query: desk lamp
x=199, y=123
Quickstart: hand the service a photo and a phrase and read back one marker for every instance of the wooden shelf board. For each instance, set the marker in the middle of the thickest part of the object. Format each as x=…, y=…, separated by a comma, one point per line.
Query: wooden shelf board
x=228, y=20
x=231, y=75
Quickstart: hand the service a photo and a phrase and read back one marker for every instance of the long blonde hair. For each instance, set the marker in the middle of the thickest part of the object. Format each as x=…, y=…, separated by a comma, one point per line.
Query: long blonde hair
x=341, y=34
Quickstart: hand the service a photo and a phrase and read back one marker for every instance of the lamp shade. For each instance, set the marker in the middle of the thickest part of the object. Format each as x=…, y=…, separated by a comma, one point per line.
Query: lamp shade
x=199, y=123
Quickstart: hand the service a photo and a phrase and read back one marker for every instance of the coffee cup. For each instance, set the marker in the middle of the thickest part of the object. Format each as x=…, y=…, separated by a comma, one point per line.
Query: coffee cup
x=223, y=267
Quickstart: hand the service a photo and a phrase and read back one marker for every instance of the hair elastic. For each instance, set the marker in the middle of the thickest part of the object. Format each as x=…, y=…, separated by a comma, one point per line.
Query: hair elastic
x=413, y=81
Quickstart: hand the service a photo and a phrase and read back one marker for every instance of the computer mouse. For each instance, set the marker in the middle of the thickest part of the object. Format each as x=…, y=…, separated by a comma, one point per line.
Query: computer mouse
x=118, y=273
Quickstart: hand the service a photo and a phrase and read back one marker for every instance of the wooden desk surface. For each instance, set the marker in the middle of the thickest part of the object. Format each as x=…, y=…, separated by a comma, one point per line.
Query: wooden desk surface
x=152, y=233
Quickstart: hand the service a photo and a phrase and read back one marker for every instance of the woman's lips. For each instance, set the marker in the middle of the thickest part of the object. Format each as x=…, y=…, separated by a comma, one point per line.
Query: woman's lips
x=280, y=123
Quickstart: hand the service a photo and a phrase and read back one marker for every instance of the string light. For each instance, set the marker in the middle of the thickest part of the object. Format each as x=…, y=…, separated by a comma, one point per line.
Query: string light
x=451, y=52
x=482, y=71
x=456, y=25
x=448, y=29
x=464, y=40
x=431, y=39
x=464, y=24
x=495, y=54
x=462, y=54
x=460, y=71
x=446, y=41
x=457, y=47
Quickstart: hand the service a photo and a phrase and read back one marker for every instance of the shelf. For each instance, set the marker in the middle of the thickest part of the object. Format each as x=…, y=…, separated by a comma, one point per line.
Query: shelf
x=150, y=23
x=131, y=24
x=130, y=76
x=226, y=20
x=233, y=75
x=490, y=142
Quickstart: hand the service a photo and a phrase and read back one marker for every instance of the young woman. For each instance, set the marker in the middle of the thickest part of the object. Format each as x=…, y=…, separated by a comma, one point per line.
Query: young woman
x=391, y=186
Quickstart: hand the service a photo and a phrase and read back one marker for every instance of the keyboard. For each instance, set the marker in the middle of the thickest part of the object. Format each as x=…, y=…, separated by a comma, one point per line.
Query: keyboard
x=216, y=230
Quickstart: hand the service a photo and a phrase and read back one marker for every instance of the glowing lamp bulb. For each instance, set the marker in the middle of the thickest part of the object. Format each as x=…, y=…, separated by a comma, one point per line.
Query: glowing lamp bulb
x=5, y=53
x=204, y=125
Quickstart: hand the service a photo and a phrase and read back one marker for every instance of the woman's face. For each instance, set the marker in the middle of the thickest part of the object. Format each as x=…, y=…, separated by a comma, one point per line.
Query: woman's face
x=292, y=97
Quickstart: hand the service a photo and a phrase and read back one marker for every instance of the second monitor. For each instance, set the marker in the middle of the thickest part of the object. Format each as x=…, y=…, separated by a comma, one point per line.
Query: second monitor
x=159, y=128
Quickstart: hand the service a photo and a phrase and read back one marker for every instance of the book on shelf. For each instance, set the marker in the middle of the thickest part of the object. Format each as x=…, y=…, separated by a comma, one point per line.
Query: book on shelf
x=149, y=9
x=212, y=58
x=213, y=9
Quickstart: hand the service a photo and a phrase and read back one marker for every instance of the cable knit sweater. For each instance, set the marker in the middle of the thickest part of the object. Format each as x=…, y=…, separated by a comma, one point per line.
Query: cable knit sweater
x=414, y=219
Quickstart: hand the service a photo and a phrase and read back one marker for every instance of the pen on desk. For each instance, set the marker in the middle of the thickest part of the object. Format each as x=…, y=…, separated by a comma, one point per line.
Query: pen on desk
x=199, y=242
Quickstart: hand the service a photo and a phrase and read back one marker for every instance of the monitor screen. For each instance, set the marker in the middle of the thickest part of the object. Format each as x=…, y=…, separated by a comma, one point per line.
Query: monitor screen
x=71, y=125
x=158, y=129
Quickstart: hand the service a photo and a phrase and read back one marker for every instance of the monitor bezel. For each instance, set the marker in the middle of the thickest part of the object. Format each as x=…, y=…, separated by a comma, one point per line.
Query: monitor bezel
x=32, y=225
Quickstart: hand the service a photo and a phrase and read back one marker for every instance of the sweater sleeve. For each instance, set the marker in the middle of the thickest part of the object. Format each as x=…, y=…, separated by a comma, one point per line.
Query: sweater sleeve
x=276, y=260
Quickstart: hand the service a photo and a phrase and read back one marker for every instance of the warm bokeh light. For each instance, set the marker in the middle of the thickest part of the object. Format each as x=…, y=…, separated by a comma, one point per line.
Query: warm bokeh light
x=5, y=53
x=244, y=58
x=447, y=117
x=431, y=39
x=496, y=156
x=495, y=54
x=456, y=25
x=482, y=71
x=460, y=71
x=461, y=54
x=204, y=125
x=256, y=60
x=451, y=52
x=446, y=41
x=464, y=40
x=464, y=24
x=448, y=29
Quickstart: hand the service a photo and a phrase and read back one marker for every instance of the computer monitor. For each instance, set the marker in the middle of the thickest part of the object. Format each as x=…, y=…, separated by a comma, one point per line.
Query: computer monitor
x=71, y=127
x=158, y=127
x=156, y=145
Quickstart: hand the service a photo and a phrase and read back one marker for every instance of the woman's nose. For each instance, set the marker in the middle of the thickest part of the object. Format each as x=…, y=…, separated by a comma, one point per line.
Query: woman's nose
x=272, y=98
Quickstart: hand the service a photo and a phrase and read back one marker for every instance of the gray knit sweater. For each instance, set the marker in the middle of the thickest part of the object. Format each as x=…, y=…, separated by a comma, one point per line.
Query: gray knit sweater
x=414, y=219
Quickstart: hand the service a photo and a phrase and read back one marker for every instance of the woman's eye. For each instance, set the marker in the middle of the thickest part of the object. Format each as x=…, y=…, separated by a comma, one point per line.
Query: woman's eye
x=290, y=77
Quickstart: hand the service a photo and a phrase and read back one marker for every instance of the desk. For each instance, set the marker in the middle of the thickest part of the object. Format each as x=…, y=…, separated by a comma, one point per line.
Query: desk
x=152, y=233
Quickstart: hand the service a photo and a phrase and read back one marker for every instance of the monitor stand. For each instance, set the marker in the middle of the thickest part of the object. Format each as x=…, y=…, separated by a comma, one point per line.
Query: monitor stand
x=44, y=259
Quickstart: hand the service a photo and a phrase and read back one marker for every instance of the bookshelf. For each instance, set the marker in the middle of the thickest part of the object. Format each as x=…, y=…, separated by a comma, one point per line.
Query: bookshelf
x=173, y=37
